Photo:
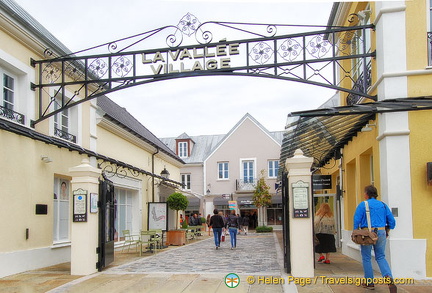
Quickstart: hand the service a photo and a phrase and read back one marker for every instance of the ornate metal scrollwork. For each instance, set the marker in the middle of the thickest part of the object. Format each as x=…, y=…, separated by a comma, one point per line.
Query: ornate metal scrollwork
x=51, y=73
x=290, y=49
x=111, y=170
x=261, y=53
x=122, y=66
x=98, y=67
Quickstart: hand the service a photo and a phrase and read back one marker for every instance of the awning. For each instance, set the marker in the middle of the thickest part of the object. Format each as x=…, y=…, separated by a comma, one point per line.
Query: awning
x=321, y=133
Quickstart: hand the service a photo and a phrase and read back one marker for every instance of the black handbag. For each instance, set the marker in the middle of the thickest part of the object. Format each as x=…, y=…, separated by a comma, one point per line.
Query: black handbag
x=363, y=236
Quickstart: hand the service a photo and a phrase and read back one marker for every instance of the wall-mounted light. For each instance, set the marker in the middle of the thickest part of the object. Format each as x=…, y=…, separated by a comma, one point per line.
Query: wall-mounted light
x=165, y=174
x=367, y=127
x=46, y=159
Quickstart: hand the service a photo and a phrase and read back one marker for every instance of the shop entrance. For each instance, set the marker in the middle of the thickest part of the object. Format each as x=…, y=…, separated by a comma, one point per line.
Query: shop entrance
x=335, y=207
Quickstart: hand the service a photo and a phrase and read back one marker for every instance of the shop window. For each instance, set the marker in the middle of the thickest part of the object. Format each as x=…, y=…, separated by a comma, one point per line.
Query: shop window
x=123, y=210
x=274, y=215
x=61, y=210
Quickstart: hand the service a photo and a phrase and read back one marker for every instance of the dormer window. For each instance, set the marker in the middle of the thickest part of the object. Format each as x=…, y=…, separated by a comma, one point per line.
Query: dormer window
x=183, y=149
x=184, y=146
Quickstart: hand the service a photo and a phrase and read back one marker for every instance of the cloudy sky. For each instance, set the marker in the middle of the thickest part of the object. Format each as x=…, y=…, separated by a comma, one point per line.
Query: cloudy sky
x=197, y=105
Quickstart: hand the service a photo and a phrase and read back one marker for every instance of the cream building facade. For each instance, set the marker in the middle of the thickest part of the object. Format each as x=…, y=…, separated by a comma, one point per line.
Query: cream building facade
x=38, y=161
x=222, y=168
x=387, y=145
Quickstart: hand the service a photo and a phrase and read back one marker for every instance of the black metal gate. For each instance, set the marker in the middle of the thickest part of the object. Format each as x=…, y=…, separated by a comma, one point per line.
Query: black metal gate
x=286, y=229
x=106, y=224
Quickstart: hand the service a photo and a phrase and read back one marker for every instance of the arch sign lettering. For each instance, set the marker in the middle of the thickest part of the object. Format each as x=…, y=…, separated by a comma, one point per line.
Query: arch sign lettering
x=270, y=51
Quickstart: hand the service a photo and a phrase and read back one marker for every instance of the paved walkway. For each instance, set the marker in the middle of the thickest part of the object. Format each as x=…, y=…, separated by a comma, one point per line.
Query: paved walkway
x=198, y=267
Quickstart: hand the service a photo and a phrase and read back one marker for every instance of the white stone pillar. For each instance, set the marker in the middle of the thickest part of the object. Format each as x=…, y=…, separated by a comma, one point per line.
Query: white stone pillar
x=84, y=235
x=406, y=254
x=301, y=231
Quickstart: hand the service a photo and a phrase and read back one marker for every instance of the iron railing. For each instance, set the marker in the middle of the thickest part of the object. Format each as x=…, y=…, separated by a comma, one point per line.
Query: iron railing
x=429, y=37
x=12, y=115
x=246, y=184
x=362, y=84
x=65, y=135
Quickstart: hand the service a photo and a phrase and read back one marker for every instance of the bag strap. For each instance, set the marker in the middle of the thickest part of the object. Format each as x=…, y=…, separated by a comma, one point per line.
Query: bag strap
x=368, y=216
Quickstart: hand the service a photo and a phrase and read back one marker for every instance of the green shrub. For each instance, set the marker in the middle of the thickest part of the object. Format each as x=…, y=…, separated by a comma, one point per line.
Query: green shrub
x=263, y=229
x=184, y=225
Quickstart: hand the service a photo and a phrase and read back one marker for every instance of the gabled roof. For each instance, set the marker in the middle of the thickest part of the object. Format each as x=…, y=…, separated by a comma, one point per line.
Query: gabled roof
x=122, y=117
x=205, y=145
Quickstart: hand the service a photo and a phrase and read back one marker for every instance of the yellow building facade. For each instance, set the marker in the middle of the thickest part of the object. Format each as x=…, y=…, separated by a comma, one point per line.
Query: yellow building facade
x=392, y=152
x=39, y=161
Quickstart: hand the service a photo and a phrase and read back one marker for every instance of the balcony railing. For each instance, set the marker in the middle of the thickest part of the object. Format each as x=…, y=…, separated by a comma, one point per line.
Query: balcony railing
x=429, y=37
x=246, y=185
x=65, y=135
x=12, y=115
x=359, y=86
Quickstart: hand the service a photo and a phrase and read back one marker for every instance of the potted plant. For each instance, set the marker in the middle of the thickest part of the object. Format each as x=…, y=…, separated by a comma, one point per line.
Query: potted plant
x=177, y=201
x=262, y=197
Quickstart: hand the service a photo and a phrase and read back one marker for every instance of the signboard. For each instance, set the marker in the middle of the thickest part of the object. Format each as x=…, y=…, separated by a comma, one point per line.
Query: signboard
x=321, y=182
x=300, y=192
x=158, y=216
x=232, y=204
x=80, y=205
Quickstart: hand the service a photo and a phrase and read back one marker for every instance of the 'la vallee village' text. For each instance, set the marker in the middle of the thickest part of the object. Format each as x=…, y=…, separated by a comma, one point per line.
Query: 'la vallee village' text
x=158, y=62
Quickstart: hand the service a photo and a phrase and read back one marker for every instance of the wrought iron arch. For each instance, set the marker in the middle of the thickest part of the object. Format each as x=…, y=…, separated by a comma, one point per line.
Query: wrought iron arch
x=308, y=57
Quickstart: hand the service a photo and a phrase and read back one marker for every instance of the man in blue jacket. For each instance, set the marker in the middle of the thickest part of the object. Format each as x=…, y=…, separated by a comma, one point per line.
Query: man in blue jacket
x=381, y=221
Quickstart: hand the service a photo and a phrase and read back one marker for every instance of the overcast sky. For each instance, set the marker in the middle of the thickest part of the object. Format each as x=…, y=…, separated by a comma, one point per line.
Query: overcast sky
x=196, y=105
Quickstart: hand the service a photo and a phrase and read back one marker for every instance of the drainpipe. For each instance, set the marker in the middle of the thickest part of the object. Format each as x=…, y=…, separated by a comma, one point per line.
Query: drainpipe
x=153, y=179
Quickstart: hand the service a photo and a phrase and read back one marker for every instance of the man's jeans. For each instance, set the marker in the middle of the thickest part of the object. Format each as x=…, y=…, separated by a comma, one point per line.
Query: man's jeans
x=217, y=233
x=379, y=249
x=233, y=236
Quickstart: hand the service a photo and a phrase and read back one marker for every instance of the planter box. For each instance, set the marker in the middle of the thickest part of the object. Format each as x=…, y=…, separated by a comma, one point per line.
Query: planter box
x=176, y=237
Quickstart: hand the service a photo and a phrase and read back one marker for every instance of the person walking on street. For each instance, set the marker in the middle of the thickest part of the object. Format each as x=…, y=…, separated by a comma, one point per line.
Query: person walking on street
x=324, y=226
x=208, y=224
x=217, y=223
x=233, y=225
x=381, y=221
x=245, y=224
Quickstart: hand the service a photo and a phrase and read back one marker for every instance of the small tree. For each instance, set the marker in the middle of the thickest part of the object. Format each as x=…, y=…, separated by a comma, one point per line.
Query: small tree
x=262, y=197
x=177, y=201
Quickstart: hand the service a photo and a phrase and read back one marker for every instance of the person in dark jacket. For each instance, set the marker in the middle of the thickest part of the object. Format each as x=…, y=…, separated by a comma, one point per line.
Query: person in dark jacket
x=217, y=223
x=233, y=225
x=245, y=224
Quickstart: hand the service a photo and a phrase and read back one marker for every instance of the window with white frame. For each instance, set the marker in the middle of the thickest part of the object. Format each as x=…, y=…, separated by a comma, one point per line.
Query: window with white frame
x=186, y=181
x=273, y=168
x=183, y=149
x=248, y=171
x=61, y=210
x=8, y=85
x=124, y=208
x=62, y=122
x=223, y=172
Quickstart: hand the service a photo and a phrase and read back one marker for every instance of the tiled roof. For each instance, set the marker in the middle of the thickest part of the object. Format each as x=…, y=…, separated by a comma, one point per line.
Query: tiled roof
x=206, y=144
x=122, y=117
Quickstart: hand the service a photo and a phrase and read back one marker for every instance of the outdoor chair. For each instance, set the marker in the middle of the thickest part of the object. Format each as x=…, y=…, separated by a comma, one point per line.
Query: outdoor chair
x=147, y=238
x=129, y=240
x=158, y=237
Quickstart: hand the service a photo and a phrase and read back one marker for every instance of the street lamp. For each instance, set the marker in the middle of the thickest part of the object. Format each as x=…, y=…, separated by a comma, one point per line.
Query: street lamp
x=165, y=174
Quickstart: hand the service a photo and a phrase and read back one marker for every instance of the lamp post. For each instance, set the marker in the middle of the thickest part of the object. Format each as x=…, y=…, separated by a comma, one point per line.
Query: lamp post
x=165, y=174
